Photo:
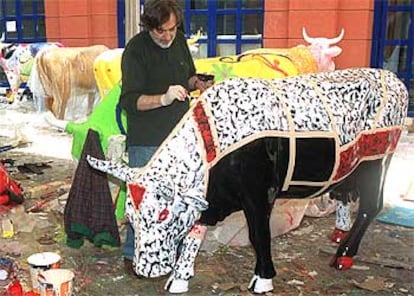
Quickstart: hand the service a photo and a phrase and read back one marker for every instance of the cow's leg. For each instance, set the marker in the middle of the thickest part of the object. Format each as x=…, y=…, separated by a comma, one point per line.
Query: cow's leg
x=91, y=101
x=63, y=102
x=257, y=215
x=62, y=93
x=184, y=267
x=370, y=183
x=342, y=222
x=343, y=195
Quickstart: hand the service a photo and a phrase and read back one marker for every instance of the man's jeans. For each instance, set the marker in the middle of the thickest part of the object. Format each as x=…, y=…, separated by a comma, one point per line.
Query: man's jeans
x=138, y=156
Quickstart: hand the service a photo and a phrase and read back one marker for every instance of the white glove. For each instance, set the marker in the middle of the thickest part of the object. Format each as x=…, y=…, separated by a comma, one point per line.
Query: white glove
x=174, y=92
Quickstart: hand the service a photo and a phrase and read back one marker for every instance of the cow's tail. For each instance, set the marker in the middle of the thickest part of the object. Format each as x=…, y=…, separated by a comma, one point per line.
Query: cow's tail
x=116, y=169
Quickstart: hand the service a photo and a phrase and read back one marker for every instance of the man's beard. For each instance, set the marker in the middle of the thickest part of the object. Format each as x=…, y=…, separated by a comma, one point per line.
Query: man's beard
x=160, y=43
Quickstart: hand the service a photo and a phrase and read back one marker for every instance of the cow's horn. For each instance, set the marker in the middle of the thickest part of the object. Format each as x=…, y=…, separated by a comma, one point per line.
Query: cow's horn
x=337, y=39
x=194, y=40
x=306, y=37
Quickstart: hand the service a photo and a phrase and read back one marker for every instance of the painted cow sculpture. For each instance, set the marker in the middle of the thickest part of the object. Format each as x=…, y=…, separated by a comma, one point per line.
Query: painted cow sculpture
x=17, y=61
x=64, y=79
x=246, y=142
x=324, y=50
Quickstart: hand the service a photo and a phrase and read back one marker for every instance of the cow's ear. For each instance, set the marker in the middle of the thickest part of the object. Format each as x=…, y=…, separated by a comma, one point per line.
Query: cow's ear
x=199, y=203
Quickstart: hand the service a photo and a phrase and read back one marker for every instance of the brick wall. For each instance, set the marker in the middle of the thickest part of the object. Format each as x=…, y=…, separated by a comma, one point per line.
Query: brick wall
x=82, y=22
x=284, y=19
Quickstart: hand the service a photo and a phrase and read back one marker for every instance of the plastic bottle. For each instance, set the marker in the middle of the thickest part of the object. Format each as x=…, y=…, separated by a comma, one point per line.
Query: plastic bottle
x=7, y=228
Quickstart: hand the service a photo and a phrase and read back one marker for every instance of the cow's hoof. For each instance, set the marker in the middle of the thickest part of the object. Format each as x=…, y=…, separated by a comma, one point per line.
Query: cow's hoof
x=260, y=285
x=338, y=235
x=176, y=286
x=342, y=263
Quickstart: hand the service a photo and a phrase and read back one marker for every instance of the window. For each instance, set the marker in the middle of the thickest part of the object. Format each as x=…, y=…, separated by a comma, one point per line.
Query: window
x=393, y=41
x=23, y=20
x=226, y=27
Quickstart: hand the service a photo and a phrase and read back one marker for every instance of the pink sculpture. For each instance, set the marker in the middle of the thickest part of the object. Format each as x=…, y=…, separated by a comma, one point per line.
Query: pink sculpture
x=323, y=50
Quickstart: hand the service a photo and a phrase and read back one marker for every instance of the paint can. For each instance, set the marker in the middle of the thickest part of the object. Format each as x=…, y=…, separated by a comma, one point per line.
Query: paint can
x=56, y=282
x=40, y=262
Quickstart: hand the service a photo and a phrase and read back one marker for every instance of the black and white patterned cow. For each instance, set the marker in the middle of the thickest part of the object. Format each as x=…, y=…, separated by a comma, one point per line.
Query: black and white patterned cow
x=244, y=143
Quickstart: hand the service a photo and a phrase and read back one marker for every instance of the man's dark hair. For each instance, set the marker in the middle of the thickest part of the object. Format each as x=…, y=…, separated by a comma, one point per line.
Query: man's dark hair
x=157, y=12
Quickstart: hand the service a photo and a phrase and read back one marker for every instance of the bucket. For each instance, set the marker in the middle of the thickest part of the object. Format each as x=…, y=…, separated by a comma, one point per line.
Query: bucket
x=56, y=282
x=40, y=262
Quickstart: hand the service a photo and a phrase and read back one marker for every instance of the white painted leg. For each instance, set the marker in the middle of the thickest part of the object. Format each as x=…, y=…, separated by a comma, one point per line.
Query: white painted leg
x=343, y=216
x=184, y=267
x=260, y=285
x=176, y=286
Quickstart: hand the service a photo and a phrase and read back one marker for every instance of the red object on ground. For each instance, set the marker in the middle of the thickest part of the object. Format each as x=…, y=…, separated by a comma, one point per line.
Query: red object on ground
x=4, y=198
x=342, y=263
x=15, y=288
x=338, y=235
x=10, y=191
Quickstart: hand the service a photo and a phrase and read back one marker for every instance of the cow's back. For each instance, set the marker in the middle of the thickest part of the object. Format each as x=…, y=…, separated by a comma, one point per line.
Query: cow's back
x=348, y=110
x=338, y=104
x=61, y=61
x=300, y=135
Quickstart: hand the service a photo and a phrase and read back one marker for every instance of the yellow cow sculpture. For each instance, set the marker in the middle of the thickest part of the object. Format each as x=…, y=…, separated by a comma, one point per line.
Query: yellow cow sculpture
x=264, y=63
x=107, y=70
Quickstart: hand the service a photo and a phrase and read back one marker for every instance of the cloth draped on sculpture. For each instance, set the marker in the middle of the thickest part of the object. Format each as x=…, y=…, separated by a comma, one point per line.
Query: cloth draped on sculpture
x=89, y=211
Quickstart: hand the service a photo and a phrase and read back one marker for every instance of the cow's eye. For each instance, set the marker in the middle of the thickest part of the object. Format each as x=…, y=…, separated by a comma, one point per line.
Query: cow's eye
x=163, y=215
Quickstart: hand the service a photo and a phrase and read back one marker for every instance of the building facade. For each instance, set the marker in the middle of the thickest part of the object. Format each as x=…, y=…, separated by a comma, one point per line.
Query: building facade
x=378, y=33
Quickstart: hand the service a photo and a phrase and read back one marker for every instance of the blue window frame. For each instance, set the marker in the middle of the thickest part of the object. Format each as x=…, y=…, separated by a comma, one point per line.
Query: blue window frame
x=23, y=20
x=121, y=22
x=393, y=41
x=226, y=27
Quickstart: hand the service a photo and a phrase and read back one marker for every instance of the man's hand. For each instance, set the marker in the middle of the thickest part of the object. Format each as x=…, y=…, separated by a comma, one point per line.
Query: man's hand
x=201, y=82
x=174, y=92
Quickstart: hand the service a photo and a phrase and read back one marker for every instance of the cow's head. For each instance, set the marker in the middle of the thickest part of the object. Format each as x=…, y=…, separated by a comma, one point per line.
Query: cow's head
x=193, y=42
x=324, y=50
x=164, y=200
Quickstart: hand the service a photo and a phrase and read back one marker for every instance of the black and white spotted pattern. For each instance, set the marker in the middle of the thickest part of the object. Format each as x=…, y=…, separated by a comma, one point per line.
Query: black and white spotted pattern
x=352, y=97
x=343, y=216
